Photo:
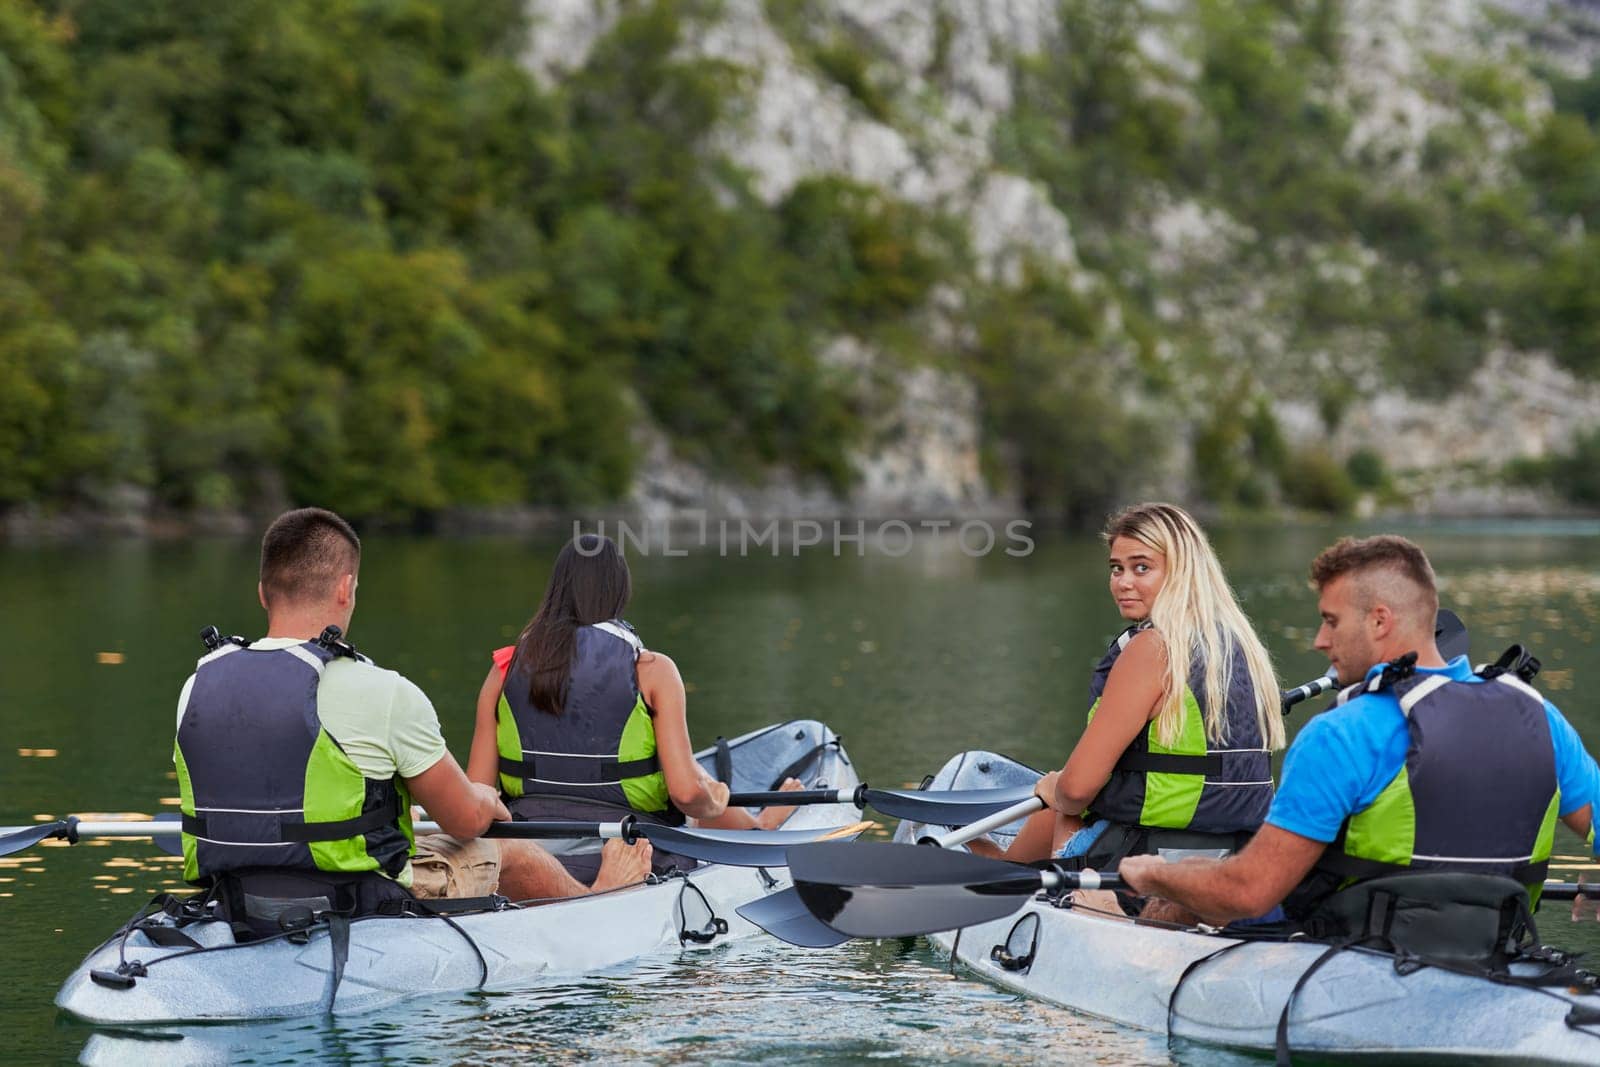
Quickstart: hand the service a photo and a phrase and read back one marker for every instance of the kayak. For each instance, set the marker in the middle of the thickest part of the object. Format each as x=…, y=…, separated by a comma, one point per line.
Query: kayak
x=392, y=958
x=1356, y=1004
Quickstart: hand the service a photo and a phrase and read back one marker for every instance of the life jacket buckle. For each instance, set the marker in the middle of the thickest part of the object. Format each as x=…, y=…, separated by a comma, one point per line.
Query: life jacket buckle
x=212, y=638
x=329, y=639
x=296, y=921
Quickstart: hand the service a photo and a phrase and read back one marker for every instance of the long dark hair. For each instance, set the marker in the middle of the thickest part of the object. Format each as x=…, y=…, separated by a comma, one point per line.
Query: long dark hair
x=590, y=584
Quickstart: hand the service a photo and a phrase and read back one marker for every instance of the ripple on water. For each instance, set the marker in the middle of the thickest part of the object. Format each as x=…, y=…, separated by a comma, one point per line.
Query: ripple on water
x=887, y=1002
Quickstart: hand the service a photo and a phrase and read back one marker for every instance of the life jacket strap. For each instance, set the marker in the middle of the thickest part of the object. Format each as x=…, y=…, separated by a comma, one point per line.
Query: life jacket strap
x=577, y=770
x=386, y=814
x=1335, y=861
x=1169, y=763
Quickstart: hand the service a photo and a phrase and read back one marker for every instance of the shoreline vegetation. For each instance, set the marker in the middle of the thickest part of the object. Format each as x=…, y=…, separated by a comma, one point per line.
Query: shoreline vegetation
x=674, y=534
x=328, y=250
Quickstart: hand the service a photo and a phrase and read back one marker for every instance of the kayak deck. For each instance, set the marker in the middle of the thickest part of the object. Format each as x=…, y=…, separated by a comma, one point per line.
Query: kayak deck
x=1356, y=1005
x=391, y=958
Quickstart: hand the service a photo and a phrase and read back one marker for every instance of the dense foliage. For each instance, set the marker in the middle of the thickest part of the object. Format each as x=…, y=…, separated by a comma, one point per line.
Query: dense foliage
x=1376, y=272
x=350, y=251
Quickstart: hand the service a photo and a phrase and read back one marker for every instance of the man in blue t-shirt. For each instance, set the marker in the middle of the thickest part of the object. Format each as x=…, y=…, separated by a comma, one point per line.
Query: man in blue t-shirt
x=1378, y=601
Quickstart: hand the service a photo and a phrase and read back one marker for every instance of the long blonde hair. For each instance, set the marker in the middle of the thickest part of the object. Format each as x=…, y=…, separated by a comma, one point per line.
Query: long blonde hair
x=1196, y=615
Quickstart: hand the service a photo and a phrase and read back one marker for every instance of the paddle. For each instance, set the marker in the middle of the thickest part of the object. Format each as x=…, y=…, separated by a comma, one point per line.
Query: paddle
x=737, y=848
x=1449, y=633
x=948, y=807
x=785, y=916
x=894, y=890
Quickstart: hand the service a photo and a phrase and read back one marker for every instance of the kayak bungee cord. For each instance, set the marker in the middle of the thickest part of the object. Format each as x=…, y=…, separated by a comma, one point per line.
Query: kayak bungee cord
x=1580, y=1017
x=127, y=972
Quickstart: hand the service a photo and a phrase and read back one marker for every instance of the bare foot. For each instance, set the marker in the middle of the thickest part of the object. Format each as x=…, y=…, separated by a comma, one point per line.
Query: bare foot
x=1099, y=900
x=622, y=864
x=772, y=818
x=1166, y=911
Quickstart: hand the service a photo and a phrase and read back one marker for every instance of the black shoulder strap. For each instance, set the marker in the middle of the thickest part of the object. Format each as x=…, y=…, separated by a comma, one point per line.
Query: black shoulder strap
x=212, y=638
x=330, y=639
x=1515, y=660
x=1396, y=670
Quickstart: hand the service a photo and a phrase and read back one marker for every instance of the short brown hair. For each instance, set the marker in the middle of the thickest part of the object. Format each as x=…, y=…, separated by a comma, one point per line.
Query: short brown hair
x=304, y=552
x=1384, y=552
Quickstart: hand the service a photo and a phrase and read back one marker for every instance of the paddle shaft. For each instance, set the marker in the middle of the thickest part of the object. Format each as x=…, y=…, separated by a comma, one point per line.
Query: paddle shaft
x=1450, y=633
x=1315, y=687
x=772, y=797
x=976, y=830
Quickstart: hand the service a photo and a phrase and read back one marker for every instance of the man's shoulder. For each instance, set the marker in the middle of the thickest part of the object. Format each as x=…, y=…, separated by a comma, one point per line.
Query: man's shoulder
x=369, y=676
x=1363, y=721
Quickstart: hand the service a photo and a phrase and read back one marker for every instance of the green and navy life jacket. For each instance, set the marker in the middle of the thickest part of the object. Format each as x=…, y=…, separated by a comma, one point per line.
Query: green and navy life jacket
x=1192, y=784
x=601, y=747
x=1478, y=793
x=263, y=784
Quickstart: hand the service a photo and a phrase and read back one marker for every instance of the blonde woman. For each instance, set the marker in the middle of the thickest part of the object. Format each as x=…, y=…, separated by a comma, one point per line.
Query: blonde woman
x=1184, y=711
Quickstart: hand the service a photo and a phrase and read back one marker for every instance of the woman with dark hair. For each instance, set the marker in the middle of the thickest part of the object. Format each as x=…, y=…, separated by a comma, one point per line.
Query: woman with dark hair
x=579, y=720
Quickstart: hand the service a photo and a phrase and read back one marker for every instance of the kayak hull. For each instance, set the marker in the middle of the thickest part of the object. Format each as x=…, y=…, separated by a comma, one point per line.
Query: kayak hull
x=390, y=959
x=1357, y=1004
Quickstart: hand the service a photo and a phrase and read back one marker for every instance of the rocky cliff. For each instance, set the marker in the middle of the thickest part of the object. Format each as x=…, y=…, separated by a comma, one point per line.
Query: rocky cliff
x=1198, y=304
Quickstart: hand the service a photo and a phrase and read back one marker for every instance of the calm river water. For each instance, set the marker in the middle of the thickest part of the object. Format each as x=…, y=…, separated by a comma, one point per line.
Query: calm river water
x=910, y=658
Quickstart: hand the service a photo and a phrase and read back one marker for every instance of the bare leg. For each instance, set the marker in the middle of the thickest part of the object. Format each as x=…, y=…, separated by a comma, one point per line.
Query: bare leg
x=528, y=872
x=769, y=819
x=1040, y=838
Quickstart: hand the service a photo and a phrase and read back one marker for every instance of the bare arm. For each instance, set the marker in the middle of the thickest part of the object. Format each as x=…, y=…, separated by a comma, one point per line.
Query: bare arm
x=1243, y=886
x=1126, y=708
x=461, y=807
x=693, y=791
x=483, y=764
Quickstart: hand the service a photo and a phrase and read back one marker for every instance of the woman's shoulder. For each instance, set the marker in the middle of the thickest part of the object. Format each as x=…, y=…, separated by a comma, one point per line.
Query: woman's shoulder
x=1146, y=646
x=653, y=661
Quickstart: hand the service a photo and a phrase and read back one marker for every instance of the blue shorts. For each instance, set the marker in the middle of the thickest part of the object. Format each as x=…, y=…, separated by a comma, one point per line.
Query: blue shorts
x=1080, y=843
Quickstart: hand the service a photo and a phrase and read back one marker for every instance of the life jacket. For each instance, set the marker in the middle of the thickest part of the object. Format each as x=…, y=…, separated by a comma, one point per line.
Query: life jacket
x=1192, y=785
x=263, y=786
x=600, y=750
x=1477, y=794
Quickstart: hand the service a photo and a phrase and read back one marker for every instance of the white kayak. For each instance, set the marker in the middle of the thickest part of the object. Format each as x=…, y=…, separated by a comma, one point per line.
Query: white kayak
x=392, y=958
x=1356, y=1005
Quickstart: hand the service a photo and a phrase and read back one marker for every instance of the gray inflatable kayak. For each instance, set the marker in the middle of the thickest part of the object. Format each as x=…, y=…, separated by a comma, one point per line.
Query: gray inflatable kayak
x=390, y=959
x=1357, y=1004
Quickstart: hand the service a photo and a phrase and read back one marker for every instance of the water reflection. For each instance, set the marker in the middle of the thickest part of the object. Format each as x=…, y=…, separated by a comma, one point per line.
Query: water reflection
x=909, y=659
x=887, y=1002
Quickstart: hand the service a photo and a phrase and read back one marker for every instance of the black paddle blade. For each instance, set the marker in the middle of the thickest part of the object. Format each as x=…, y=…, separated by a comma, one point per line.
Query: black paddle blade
x=736, y=848
x=23, y=839
x=784, y=916
x=892, y=890
x=1450, y=634
x=949, y=807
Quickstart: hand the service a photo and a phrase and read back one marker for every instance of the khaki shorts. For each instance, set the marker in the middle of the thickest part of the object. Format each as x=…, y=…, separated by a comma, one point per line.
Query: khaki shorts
x=446, y=866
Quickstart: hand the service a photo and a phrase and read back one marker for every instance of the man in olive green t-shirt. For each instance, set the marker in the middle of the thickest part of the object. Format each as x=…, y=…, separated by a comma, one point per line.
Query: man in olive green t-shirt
x=387, y=727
